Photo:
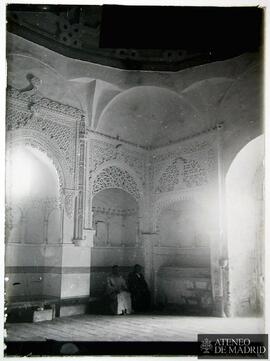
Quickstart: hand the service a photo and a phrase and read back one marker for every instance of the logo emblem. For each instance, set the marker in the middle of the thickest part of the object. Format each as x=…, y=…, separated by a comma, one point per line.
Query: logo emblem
x=206, y=345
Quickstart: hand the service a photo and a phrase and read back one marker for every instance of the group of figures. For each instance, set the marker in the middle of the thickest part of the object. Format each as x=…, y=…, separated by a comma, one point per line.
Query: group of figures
x=128, y=297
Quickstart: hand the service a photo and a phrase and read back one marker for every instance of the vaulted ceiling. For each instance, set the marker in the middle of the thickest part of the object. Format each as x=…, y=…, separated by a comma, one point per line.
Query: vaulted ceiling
x=140, y=37
x=147, y=107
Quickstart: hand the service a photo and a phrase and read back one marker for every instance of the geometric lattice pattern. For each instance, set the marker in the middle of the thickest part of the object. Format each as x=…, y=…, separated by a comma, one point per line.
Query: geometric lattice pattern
x=62, y=135
x=104, y=152
x=168, y=179
x=16, y=119
x=114, y=177
x=194, y=174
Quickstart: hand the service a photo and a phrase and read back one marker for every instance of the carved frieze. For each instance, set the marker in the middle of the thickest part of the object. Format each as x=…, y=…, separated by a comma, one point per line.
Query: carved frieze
x=102, y=152
x=194, y=174
x=63, y=136
x=53, y=122
x=114, y=211
x=69, y=202
x=38, y=102
x=114, y=177
x=183, y=166
x=169, y=179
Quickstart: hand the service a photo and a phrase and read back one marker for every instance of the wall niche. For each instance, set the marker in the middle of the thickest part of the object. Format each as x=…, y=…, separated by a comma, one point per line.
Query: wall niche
x=115, y=218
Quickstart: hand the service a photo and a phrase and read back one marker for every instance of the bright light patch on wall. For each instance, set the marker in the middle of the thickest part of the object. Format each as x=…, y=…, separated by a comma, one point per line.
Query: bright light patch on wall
x=20, y=173
x=244, y=208
x=29, y=173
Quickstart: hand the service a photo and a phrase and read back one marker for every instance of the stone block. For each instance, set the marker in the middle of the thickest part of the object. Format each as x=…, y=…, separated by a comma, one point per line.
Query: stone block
x=43, y=315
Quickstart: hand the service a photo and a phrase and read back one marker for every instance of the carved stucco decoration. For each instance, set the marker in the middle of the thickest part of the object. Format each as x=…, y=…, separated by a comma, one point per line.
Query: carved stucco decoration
x=200, y=143
x=62, y=136
x=183, y=174
x=60, y=108
x=69, y=195
x=115, y=211
x=114, y=177
x=194, y=174
x=34, y=139
x=16, y=118
x=169, y=179
x=184, y=166
x=37, y=101
x=53, y=122
x=102, y=152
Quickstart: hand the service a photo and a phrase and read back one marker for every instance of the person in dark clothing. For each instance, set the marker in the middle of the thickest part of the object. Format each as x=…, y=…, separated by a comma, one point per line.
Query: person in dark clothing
x=140, y=295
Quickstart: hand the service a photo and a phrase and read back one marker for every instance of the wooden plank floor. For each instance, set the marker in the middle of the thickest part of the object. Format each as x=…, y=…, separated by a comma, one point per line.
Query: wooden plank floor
x=130, y=328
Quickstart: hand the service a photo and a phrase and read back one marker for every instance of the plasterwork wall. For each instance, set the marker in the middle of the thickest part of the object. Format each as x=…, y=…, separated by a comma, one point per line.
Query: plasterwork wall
x=52, y=127
x=88, y=162
x=51, y=122
x=183, y=171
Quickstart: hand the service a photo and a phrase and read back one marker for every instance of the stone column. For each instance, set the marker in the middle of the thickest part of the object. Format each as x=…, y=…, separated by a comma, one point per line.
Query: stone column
x=68, y=214
x=80, y=181
x=218, y=239
x=88, y=213
x=149, y=240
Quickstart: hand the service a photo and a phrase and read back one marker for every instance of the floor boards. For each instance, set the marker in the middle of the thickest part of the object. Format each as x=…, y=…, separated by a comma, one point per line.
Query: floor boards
x=130, y=328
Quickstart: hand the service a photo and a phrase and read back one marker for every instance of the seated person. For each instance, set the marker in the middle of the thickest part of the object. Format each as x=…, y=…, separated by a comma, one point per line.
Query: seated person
x=119, y=297
x=140, y=294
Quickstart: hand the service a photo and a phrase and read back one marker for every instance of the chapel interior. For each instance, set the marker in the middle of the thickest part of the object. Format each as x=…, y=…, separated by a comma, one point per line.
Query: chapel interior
x=122, y=153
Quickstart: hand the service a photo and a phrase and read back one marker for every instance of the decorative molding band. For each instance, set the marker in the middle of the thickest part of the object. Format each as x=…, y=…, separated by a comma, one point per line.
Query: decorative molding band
x=39, y=300
x=108, y=269
x=43, y=105
x=63, y=270
x=205, y=133
x=94, y=135
x=46, y=269
x=112, y=211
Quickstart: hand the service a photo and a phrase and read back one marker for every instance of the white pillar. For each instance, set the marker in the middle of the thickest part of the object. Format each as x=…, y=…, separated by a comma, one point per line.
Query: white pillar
x=148, y=247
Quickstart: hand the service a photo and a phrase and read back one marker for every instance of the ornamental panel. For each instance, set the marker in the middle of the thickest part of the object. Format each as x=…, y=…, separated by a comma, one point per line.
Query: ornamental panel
x=56, y=122
x=102, y=152
x=114, y=177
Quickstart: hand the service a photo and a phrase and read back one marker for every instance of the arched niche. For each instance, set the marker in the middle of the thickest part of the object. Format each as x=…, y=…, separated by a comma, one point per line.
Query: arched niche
x=115, y=218
x=245, y=221
x=116, y=240
x=33, y=188
x=183, y=224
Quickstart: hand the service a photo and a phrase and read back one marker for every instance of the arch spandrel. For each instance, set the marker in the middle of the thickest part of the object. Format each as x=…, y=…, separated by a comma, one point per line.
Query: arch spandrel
x=36, y=140
x=116, y=177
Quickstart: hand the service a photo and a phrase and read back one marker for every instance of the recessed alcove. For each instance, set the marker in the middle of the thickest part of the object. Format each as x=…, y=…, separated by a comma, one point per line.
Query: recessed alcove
x=116, y=239
x=33, y=225
x=115, y=218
